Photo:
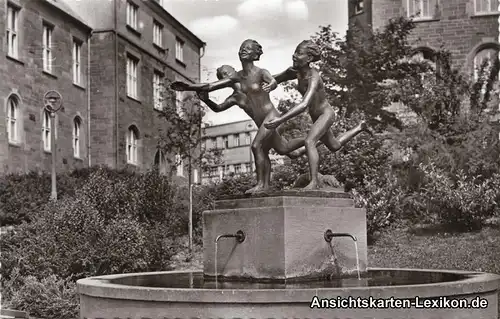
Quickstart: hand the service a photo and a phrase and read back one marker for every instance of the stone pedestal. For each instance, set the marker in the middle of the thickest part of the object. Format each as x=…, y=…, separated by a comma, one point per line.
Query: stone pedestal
x=284, y=236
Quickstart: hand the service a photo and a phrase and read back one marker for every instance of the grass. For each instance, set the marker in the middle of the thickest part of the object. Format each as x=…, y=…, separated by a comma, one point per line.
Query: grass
x=434, y=249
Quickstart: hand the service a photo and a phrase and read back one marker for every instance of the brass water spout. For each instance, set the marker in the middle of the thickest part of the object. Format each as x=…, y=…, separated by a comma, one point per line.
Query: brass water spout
x=329, y=235
x=240, y=236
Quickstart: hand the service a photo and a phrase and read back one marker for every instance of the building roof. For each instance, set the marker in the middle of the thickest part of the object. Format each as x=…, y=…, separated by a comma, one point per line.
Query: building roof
x=65, y=8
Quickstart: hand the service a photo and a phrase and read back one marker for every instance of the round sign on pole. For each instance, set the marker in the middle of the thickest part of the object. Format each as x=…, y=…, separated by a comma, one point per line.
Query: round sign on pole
x=52, y=101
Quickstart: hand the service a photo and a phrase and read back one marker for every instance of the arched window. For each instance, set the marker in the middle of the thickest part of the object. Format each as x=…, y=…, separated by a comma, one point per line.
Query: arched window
x=484, y=56
x=132, y=139
x=13, y=119
x=159, y=162
x=77, y=123
x=46, y=129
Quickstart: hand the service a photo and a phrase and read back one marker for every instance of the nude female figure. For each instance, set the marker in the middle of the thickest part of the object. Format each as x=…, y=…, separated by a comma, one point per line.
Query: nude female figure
x=314, y=100
x=280, y=145
x=256, y=83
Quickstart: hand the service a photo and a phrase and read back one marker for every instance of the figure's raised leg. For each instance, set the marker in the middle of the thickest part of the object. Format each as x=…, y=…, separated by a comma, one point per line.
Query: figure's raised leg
x=258, y=146
x=335, y=144
x=318, y=130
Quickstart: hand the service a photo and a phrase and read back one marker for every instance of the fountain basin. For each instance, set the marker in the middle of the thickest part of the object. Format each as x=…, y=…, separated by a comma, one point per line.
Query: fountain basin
x=187, y=295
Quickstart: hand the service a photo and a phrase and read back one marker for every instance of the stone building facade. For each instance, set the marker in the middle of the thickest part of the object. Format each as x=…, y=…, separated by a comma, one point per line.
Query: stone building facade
x=44, y=47
x=469, y=29
x=124, y=51
x=134, y=45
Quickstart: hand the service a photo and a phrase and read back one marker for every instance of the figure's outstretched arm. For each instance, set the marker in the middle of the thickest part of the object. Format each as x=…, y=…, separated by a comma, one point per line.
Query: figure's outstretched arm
x=199, y=87
x=300, y=107
x=287, y=75
x=306, y=100
x=269, y=81
x=228, y=103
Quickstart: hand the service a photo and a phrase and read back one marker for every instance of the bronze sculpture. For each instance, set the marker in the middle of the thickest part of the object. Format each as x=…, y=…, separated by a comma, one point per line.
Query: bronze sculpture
x=251, y=92
x=311, y=86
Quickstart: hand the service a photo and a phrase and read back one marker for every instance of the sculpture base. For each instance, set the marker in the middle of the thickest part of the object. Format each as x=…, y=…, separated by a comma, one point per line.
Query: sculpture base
x=284, y=236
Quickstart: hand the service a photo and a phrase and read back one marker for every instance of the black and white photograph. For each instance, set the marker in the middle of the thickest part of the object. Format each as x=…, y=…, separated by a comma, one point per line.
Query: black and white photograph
x=250, y=159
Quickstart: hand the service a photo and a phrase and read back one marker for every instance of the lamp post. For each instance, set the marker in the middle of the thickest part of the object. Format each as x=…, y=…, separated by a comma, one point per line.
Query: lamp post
x=53, y=102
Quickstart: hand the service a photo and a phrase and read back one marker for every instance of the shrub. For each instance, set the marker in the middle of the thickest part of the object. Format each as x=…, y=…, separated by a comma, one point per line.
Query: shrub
x=381, y=196
x=460, y=202
x=50, y=297
x=235, y=185
x=22, y=194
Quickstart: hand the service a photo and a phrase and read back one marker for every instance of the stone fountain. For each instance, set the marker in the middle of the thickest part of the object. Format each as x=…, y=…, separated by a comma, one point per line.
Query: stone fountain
x=287, y=254
x=275, y=259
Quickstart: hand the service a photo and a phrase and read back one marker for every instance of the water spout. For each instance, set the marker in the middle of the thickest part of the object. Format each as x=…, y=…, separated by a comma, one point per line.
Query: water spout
x=329, y=235
x=240, y=237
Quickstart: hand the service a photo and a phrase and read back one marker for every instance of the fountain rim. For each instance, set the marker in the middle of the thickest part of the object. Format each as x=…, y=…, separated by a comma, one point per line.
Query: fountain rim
x=477, y=283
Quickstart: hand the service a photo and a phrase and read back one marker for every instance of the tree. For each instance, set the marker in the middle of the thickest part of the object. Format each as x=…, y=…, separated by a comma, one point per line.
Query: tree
x=183, y=139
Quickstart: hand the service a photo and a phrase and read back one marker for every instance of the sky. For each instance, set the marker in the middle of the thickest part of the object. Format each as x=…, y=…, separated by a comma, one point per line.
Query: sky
x=278, y=25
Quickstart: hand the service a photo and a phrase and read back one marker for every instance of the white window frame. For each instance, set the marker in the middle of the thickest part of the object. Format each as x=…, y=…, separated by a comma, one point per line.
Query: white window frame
x=132, y=83
x=421, y=8
x=77, y=60
x=46, y=131
x=132, y=10
x=225, y=141
x=157, y=90
x=179, y=50
x=248, y=138
x=131, y=150
x=47, y=47
x=13, y=120
x=492, y=6
x=12, y=27
x=77, y=125
x=158, y=34
x=236, y=140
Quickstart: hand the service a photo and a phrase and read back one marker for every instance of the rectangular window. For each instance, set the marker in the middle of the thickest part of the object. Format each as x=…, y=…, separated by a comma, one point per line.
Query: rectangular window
x=157, y=90
x=12, y=29
x=77, y=74
x=486, y=6
x=225, y=142
x=248, y=167
x=47, y=48
x=132, y=77
x=421, y=9
x=236, y=140
x=237, y=169
x=158, y=34
x=132, y=15
x=179, y=50
x=248, y=139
